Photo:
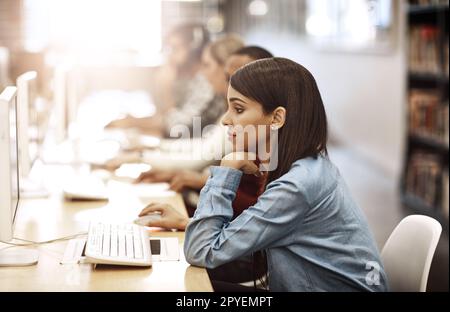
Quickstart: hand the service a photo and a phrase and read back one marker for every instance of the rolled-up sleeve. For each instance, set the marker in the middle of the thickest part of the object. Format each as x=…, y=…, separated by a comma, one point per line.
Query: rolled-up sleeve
x=212, y=239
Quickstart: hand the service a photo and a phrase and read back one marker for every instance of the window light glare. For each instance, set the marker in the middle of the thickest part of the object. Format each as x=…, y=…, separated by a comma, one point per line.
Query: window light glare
x=258, y=8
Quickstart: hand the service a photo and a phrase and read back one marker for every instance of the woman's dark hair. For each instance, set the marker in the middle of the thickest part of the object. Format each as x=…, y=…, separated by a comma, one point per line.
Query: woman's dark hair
x=276, y=82
x=254, y=52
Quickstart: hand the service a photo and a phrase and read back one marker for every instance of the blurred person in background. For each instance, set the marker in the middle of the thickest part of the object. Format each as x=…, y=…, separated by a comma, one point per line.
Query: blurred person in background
x=184, y=92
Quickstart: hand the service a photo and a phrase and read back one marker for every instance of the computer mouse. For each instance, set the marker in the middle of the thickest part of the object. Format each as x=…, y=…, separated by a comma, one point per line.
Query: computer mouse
x=145, y=220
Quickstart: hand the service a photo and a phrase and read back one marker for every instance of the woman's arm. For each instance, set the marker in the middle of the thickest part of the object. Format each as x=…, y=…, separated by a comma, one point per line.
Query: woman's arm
x=212, y=240
x=151, y=125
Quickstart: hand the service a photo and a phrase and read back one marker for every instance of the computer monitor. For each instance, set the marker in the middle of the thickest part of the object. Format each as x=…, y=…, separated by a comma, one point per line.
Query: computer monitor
x=27, y=123
x=4, y=67
x=9, y=166
x=9, y=181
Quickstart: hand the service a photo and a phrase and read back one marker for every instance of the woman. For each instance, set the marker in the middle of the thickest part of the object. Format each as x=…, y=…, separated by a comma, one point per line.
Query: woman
x=314, y=236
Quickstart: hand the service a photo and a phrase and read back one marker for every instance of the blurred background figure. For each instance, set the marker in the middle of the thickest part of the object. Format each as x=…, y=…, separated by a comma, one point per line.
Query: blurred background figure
x=183, y=92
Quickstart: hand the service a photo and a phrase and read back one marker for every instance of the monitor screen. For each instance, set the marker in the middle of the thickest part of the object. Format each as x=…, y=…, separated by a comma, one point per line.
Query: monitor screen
x=14, y=156
x=33, y=125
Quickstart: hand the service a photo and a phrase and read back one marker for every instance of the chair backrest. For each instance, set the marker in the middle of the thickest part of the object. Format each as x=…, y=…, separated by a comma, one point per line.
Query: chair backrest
x=408, y=253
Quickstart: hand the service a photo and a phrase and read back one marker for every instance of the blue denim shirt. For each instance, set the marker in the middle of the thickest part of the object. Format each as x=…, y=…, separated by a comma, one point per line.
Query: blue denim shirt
x=315, y=236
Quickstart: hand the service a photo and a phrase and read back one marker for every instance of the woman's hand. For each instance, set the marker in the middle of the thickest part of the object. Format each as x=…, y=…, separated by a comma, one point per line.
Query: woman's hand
x=242, y=161
x=156, y=176
x=188, y=179
x=170, y=218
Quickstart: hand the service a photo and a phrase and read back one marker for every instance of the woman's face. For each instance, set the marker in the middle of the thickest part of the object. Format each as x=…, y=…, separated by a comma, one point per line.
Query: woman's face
x=215, y=73
x=248, y=124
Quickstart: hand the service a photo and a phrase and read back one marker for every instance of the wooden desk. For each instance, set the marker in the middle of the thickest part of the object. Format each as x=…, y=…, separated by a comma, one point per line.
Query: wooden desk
x=49, y=218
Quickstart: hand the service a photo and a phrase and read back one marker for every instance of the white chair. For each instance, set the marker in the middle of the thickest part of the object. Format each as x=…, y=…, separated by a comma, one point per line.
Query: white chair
x=408, y=253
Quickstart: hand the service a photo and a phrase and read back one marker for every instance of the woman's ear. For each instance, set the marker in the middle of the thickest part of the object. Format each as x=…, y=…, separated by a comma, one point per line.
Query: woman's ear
x=278, y=118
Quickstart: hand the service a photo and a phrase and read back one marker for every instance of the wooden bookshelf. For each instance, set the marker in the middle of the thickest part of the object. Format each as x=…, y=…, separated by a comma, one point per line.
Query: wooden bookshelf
x=437, y=81
x=422, y=80
x=428, y=142
x=418, y=206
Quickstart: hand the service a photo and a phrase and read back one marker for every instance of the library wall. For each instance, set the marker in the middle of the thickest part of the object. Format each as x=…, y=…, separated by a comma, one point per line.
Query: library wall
x=11, y=34
x=364, y=94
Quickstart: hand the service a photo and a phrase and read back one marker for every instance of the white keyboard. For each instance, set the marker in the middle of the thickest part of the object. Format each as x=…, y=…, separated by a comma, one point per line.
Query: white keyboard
x=120, y=244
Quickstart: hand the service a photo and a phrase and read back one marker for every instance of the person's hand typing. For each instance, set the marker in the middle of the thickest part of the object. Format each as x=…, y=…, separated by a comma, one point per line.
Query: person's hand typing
x=156, y=176
x=170, y=217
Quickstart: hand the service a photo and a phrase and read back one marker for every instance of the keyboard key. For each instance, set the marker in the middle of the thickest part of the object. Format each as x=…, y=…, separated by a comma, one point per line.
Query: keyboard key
x=138, y=252
x=129, y=245
x=122, y=243
x=114, y=243
x=106, y=244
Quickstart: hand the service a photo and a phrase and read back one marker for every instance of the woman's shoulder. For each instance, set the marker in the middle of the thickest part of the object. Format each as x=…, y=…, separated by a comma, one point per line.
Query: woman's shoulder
x=316, y=170
x=313, y=165
x=312, y=176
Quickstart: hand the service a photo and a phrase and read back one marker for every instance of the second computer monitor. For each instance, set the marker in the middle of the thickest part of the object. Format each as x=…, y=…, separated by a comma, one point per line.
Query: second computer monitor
x=4, y=67
x=9, y=167
x=27, y=121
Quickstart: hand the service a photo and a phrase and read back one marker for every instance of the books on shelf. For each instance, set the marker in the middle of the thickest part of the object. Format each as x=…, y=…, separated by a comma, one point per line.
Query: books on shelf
x=424, y=57
x=428, y=116
x=424, y=178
